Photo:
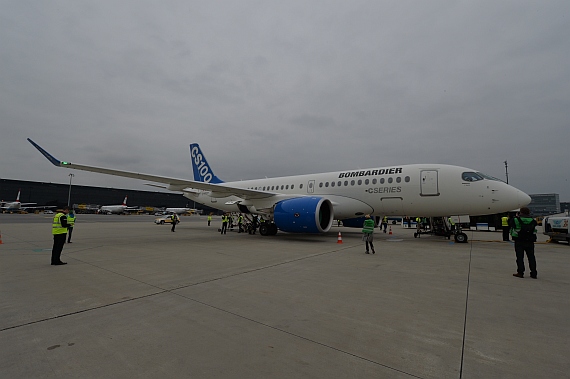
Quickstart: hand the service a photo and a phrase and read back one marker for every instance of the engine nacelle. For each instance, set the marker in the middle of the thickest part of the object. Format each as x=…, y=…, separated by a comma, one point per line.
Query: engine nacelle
x=304, y=215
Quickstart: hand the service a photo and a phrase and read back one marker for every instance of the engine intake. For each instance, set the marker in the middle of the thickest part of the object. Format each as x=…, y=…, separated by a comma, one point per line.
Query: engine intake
x=304, y=215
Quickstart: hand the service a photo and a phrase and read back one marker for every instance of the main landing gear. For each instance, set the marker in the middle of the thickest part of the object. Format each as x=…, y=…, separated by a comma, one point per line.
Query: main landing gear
x=267, y=228
x=439, y=226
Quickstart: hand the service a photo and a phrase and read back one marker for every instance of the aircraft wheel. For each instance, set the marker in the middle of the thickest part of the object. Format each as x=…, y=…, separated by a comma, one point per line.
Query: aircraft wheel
x=161, y=222
x=461, y=238
x=264, y=229
x=272, y=229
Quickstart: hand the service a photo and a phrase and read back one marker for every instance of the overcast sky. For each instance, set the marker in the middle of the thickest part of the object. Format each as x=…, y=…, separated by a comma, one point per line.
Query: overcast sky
x=276, y=88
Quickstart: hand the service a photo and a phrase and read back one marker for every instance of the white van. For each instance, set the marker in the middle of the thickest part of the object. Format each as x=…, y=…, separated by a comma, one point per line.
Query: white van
x=556, y=228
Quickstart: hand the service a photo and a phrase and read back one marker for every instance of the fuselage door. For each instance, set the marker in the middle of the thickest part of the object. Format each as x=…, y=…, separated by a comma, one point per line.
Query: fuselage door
x=428, y=183
x=311, y=186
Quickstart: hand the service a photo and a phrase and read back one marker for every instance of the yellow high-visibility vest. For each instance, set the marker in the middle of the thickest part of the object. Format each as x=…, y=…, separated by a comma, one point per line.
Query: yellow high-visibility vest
x=56, y=227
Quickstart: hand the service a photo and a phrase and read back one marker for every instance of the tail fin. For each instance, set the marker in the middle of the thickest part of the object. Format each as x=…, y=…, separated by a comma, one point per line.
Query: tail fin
x=125, y=201
x=202, y=170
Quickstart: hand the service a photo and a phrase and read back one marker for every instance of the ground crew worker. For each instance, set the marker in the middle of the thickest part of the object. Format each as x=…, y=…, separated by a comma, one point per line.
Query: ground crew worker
x=59, y=231
x=209, y=219
x=524, y=233
x=385, y=223
x=225, y=220
x=254, y=222
x=506, y=227
x=240, y=222
x=451, y=223
x=70, y=223
x=368, y=233
x=175, y=220
x=418, y=224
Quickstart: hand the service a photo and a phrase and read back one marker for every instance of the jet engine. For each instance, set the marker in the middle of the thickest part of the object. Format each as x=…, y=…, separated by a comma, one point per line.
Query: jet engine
x=304, y=215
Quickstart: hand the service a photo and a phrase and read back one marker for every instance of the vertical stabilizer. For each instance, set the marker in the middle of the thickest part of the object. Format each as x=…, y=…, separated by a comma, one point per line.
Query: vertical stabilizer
x=125, y=201
x=202, y=170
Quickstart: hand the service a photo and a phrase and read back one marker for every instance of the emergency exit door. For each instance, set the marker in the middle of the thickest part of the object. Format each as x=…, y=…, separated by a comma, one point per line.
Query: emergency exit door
x=428, y=183
x=311, y=186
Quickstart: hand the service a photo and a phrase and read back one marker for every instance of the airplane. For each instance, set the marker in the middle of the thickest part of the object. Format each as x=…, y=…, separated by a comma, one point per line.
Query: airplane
x=309, y=203
x=11, y=206
x=116, y=209
x=182, y=210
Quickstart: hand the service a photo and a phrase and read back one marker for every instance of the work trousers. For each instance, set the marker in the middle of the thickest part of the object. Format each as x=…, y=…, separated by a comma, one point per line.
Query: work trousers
x=58, y=242
x=506, y=234
x=520, y=248
x=224, y=227
x=69, y=231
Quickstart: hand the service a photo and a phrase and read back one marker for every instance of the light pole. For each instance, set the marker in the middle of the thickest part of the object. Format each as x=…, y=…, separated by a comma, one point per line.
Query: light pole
x=69, y=194
x=507, y=172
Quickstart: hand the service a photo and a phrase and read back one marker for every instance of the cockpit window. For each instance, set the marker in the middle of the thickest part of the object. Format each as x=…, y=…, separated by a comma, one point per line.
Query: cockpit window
x=489, y=177
x=475, y=176
x=471, y=176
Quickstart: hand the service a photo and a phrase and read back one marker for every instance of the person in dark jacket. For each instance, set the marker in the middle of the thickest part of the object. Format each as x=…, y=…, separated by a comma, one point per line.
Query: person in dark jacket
x=524, y=234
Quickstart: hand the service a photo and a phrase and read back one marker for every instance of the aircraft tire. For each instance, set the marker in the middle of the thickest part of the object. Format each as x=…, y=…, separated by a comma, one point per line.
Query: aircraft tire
x=264, y=229
x=461, y=238
x=272, y=229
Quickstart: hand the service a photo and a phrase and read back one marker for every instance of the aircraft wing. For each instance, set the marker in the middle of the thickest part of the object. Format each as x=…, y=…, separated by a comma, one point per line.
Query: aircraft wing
x=174, y=184
x=39, y=207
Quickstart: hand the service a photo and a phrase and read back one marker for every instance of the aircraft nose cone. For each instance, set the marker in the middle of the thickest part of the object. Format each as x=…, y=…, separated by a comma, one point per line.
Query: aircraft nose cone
x=524, y=199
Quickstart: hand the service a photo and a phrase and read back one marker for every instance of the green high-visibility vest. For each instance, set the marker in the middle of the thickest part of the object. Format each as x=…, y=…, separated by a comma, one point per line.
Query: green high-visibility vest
x=368, y=226
x=56, y=227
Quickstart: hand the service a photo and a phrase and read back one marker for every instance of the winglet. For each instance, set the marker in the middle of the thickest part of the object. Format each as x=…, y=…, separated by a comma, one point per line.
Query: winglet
x=51, y=158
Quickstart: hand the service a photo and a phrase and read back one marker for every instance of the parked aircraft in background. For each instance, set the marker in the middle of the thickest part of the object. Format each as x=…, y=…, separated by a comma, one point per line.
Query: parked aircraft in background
x=182, y=210
x=117, y=209
x=12, y=206
x=309, y=203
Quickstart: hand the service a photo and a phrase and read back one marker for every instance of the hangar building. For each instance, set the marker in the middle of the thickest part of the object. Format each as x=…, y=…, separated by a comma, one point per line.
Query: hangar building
x=57, y=194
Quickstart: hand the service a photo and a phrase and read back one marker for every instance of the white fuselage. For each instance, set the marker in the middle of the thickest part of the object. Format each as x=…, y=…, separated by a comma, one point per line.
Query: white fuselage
x=11, y=206
x=420, y=190
x=113, y=209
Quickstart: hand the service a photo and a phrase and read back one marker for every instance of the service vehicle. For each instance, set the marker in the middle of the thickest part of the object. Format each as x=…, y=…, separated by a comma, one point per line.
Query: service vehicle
x=166, y=219
x=556, y=227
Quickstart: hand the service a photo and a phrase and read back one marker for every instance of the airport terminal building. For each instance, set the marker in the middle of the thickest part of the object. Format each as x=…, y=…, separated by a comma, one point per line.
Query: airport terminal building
x=57, y=194
x=544, y=204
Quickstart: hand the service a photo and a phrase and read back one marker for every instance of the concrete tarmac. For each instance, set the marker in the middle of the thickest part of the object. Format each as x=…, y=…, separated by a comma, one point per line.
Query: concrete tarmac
x=138, y=301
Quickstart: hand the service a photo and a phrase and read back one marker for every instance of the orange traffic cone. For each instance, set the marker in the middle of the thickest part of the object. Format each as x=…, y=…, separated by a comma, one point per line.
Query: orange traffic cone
x=390, y=230
x=339, y=240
